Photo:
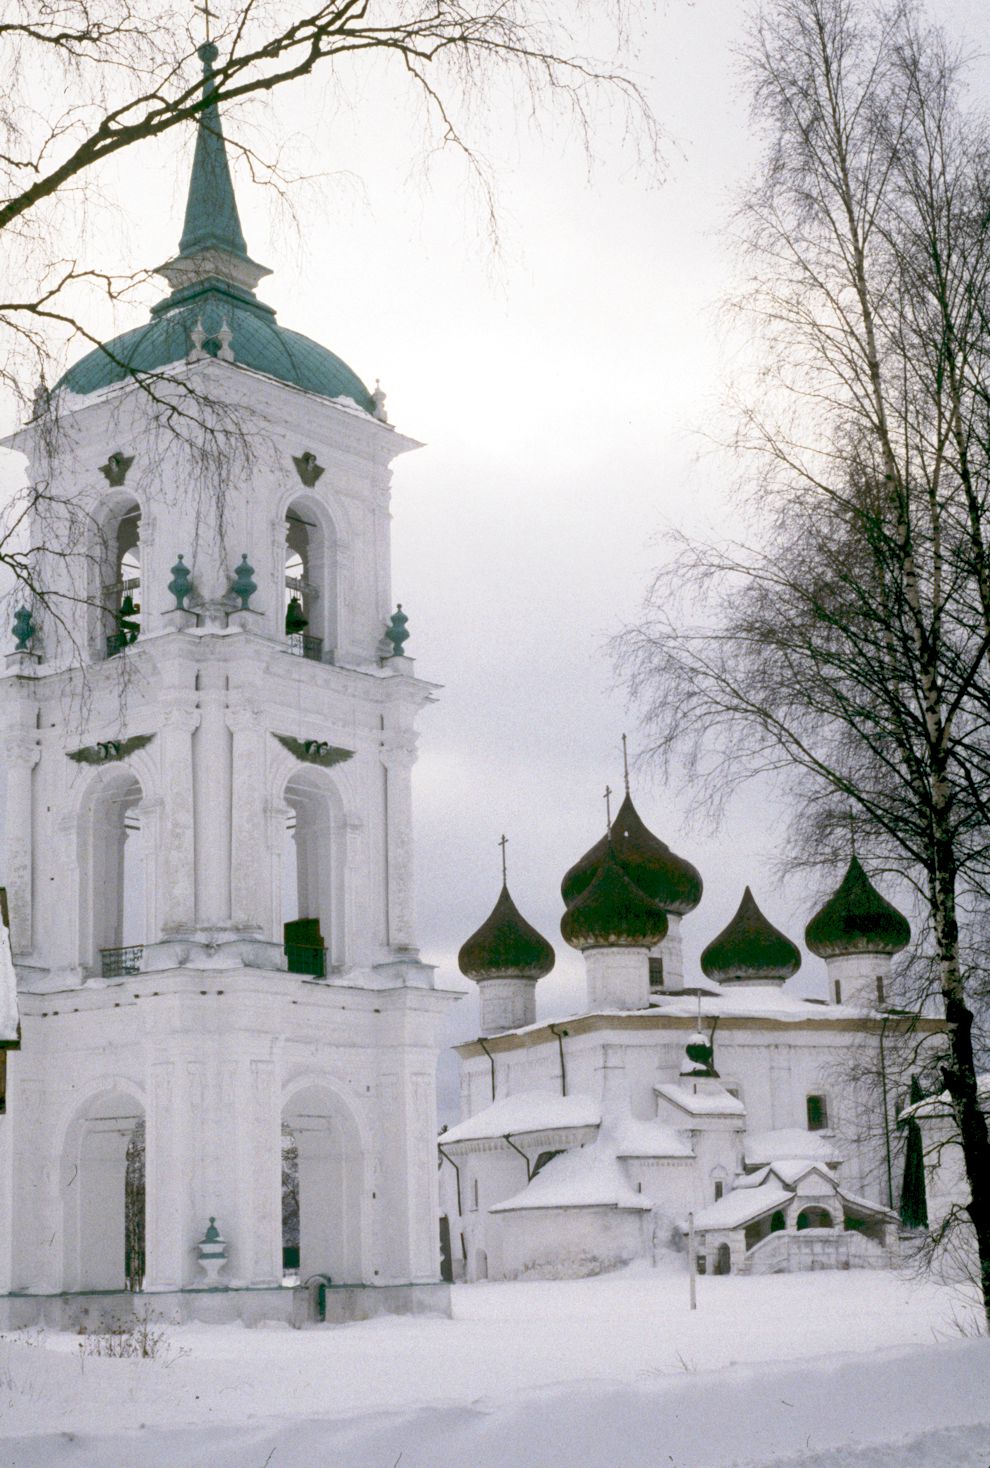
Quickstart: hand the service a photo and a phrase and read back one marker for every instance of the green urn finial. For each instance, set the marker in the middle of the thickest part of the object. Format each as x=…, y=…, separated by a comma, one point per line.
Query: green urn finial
x=244, y=584
x=180, y=584
x=396, y=631
x=24, y=629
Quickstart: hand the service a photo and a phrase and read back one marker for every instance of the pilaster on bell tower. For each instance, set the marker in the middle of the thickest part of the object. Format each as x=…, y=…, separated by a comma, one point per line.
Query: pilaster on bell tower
x=209, y=766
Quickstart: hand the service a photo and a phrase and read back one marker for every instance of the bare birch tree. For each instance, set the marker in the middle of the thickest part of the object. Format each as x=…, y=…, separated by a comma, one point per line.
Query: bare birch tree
x=846, y=649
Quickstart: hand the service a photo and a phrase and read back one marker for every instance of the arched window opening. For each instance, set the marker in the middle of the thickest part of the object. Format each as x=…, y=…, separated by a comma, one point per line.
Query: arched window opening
x=121, y=588
x=134, y=1191
x=112, y=875
x=723, y=1259
x=814, y=1218
x=329, y=1174
x=103, y=1196
x=777, y=1222
x=817, y=1107
x=310, y=876
x=290, y=1206
x=310, y=595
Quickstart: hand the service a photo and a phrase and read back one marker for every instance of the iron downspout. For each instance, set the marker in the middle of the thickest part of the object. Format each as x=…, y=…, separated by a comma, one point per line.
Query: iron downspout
x=491, y=1062
x=559, y=1034
x=522, y=1154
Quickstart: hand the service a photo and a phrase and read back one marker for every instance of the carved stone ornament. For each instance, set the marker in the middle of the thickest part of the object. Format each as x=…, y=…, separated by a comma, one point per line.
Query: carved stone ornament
x=314, y=751
x=307, y=468
x=109, y=750
x=115, y=469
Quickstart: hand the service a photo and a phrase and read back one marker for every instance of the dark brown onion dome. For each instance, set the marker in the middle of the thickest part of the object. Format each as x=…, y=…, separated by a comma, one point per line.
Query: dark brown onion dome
x=612, y=912
x=856, y=919
x=506, y=946
x=750, y=950
x=665, y=877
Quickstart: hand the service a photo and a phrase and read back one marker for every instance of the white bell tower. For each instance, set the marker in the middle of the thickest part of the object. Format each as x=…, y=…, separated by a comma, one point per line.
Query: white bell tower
x=208, y=734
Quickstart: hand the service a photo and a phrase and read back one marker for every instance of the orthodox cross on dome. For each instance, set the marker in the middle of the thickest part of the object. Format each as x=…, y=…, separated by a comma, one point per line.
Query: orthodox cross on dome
x=503, y=842
x=207, y=15
x=625, y=763
x=608, y=807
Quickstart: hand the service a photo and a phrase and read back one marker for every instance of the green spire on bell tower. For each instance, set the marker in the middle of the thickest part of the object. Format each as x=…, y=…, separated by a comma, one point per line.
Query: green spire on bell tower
x=211, y=221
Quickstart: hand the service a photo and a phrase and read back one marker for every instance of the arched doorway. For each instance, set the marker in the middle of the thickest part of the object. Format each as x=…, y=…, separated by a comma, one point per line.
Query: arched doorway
x=330, y=1175
x=102, y=1190
x=723, y=1259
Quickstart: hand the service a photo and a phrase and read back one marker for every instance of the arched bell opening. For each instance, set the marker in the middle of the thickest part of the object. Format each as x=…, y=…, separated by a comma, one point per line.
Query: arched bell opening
x=117, y=557
x=313, y=876
x=102, y=1188
x=310, y=596
x=329, y=1182
x=113, y=882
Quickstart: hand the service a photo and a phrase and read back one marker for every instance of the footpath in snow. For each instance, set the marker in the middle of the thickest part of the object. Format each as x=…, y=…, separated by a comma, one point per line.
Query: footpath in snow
x=857, y=1370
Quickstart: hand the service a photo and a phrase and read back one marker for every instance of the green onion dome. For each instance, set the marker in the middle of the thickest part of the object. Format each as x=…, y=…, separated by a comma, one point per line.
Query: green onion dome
x=613, y=912
x=856, y=919
x=662, y=875
x=505, y=946
x=750, y=950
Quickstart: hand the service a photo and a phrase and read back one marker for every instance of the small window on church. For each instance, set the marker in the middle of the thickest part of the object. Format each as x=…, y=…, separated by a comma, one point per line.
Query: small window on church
x=880, y=994
x=656, y=973
x=719, y=1188
x=474, y=1195
x=3, y=1082
x=817, y=1113
x=838, y=991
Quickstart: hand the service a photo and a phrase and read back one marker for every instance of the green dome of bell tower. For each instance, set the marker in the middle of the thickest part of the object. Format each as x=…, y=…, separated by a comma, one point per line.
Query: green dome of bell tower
x=212, y=310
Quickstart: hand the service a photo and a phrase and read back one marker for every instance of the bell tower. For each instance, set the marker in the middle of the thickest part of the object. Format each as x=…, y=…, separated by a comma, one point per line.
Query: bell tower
x=209, y=740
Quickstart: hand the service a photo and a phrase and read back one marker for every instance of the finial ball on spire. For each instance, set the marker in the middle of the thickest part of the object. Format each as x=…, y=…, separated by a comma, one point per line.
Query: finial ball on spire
x=207, y=54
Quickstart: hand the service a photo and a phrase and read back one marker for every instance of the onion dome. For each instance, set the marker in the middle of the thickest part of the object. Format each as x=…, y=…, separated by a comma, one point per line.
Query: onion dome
x=750, y=949
x=505, y=946
x=663, y=876
x=856, y=919
x=613, y=912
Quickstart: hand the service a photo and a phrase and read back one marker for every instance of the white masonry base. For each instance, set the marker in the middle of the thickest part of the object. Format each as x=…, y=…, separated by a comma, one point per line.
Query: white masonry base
x=299, y=1305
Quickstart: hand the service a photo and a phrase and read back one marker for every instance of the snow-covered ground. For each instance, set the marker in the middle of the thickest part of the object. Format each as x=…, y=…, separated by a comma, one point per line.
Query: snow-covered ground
x=857, y=1370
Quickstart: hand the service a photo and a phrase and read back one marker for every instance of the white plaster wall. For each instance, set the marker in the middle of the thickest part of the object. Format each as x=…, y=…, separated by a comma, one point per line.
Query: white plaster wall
x=564, y=1243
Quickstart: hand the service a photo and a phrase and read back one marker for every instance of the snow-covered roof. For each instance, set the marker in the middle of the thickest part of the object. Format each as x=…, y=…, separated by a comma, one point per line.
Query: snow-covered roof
x=791, y=1170
x=863, y=1205
x=707, y=1102
x=635, y=1138
x=585, y=1177
x=527, y=1111
x=742, y=1206
x=788, y=1142
x=8, y=989
x=941, y=1105
x=758, y=1001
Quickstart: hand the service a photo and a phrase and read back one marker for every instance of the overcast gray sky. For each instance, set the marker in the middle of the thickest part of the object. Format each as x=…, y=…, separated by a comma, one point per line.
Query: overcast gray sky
x=563, y=387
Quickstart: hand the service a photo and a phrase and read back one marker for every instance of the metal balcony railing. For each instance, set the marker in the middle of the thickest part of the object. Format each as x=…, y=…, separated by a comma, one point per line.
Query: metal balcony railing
x=117, y=963
x=304, y=646
x=301, y=958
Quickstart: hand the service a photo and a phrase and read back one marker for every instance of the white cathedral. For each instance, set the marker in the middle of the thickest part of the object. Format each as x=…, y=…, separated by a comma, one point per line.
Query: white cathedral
x=208, y=731
x=720, y=1111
